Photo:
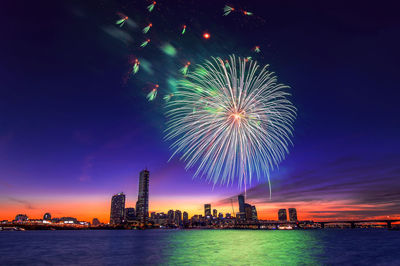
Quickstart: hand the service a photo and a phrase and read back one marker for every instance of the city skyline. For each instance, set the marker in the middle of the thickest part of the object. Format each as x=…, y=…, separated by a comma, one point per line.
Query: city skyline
x=76, y=129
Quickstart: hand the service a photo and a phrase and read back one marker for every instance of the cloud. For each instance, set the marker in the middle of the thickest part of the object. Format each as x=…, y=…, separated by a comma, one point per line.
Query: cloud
x=26, y=203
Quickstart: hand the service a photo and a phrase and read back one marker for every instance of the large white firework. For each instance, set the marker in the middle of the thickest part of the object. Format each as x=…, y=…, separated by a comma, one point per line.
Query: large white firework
x=231, y=119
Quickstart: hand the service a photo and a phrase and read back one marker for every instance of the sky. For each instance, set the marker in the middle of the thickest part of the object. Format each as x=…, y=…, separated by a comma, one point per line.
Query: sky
x=76, y=128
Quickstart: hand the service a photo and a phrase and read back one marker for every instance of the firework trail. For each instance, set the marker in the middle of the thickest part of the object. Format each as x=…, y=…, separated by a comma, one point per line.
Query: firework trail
x=256, y=49
x=228, y=10
x=184, y=70
x=247, y=13
x=168, y=97
x=151, y=7
x=146, y=42
x=121, y=21
x=152, y=94
x=183, y=29
x=136, y=67
x=232, y=122
x=147, y=28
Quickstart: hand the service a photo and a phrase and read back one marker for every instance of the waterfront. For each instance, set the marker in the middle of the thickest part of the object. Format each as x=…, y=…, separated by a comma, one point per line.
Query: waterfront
x=199, y=247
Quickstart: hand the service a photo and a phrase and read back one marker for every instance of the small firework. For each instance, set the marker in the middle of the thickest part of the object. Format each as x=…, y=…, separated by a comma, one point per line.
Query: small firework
x=206, y=35
x=247, y=59
x=168, y=97
x=226, y=63
x=136, y=67
x=228, y=10
x=152, y=94
x=147, y=28
x=247, y=13
x=151, y=7
x=121, y=21
x=183, y=29
x=257, y=49
x=145, y=43
x=184, y=70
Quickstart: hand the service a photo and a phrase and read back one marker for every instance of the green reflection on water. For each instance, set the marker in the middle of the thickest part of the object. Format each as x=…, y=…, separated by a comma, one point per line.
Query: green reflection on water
x=243, y=247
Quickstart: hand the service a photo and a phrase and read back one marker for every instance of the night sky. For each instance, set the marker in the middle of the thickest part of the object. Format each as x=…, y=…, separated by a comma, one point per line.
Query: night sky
x=76, y=128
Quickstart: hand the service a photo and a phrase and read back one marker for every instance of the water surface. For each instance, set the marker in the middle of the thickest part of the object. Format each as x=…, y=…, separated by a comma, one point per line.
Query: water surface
x=201, y=247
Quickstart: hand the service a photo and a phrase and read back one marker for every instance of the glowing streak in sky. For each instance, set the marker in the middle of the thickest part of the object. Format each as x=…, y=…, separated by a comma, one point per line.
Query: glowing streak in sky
x=232, y=122
x=136, y=67
x=151, y=7
x=228, y=10
x=183, y=29
x=152, y=94
x=121, y=21
x=147, y=28
x=145, y=43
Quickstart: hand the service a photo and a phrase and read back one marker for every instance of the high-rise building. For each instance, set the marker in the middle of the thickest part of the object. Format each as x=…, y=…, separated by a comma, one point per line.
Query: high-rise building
x=117, y=208
x=293, y=214
x=95, y=222
x=170, y=216
x=228, y=215
x=185, y=217
x=130, y=214
x=47, y=216
x=282, y=216
x=142, y=205
x=220, y=216
x=254, y=213
x=178, y=217
x=242, y=210
x=207, y=210
x=248, y=211
x=215, y=213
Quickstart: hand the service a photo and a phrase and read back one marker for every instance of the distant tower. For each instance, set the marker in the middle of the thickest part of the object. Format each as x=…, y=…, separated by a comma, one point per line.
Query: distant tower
x=178, y=217
x=117, y=209
x=293, y=214
x=282, y=215
x=215, y=213
x=242, y=210
x=47, y=216
x=170, y=216
x=142, y=205
x=185, y=217
x=248, y=211
x=207, y=210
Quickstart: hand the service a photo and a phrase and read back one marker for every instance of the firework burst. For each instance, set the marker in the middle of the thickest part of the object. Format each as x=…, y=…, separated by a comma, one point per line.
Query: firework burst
x=231, y=119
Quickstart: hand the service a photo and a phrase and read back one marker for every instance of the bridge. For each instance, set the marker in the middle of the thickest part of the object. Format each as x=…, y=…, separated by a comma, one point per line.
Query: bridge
x=354, y=222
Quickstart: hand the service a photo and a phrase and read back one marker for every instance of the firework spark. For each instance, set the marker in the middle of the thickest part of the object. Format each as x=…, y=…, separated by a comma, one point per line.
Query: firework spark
x=231, y=121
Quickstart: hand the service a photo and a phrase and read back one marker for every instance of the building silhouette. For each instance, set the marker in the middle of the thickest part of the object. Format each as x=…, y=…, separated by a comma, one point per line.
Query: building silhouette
x=21, y=218
x=254, y=213
x=292, y=214
x=170, y=216
x=130, y=214
x=185, y=218
x=242, y=208
x=142, y=204
x=207, y=210
x=282, y=216
x=117, y=209
x=47, y=216
x=215, y=213
x=178, y=217
x=95, y=222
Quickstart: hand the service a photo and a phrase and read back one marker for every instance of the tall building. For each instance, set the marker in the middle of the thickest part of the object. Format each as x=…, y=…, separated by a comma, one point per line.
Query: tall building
x=215, y=213
x=130, y=214
x=228, y=215
x=293, y=214
x=142, y=205
x=117, y=208
x=178, y=217
x=220, y=216
x=47, y=216
x=207, y=210
x=185, y=217
x=248, y=211
x=254, y=213
x=242, y=211
x=170, y=216
x=282, y=216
